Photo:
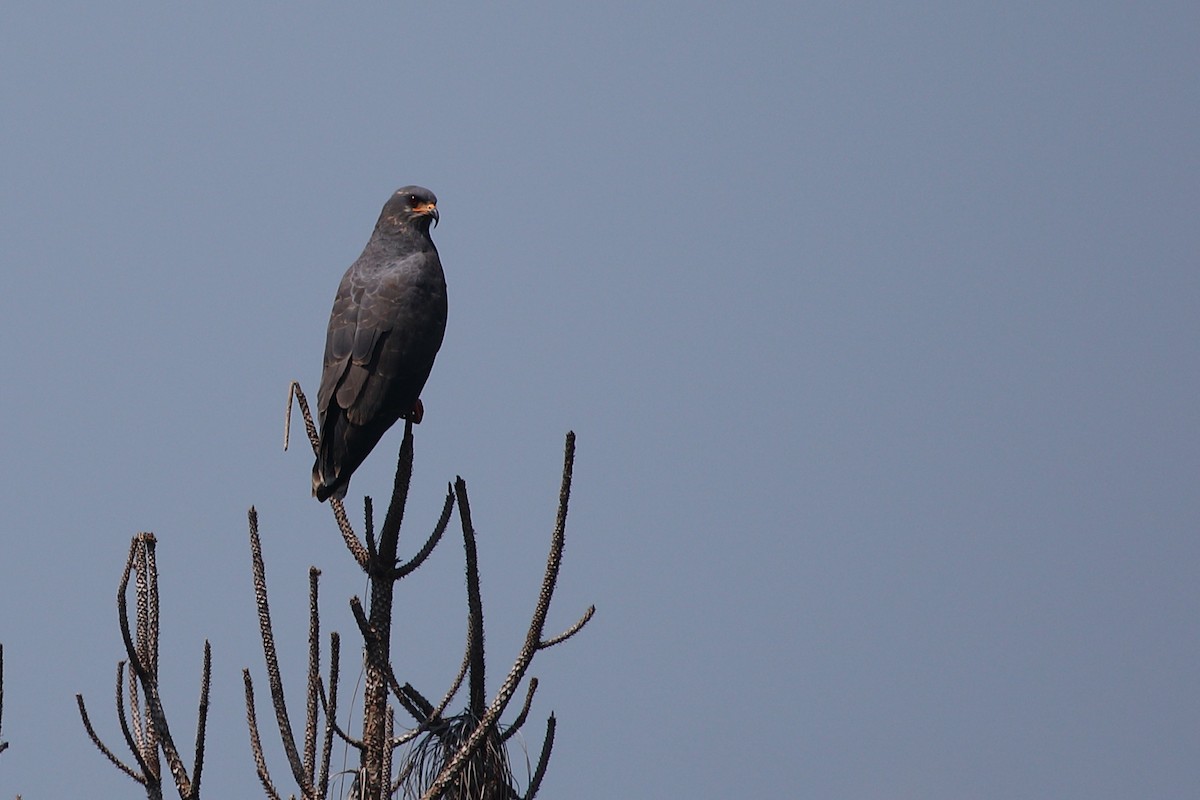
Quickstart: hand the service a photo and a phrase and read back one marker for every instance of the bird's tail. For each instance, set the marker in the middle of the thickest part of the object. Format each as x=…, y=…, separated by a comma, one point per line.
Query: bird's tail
x=327, y=474
x=326, y=486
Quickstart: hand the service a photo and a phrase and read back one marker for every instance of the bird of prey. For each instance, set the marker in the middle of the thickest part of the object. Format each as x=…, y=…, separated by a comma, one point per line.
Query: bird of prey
x=385, y=330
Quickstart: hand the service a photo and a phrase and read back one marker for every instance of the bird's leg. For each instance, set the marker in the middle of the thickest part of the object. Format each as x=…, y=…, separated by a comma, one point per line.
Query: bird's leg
x=416, y=414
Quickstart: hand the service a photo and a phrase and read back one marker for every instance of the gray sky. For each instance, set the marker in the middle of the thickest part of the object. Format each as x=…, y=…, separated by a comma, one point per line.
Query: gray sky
x=877, y=324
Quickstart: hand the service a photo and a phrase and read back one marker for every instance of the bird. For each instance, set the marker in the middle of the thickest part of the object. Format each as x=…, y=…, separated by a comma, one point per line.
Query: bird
x=386, y=327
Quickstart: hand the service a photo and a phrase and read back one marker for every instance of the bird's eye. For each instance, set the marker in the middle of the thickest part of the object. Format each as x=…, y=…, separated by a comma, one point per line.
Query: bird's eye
x=412, y=200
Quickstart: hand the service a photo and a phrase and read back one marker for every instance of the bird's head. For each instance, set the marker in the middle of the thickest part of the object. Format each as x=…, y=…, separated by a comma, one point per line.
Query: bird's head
x=410, y=207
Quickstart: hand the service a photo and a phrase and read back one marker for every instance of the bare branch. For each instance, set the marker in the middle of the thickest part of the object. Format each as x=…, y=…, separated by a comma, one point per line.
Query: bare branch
x=330, y=712
x=430, y=543
x=260, y=760
x=274, y=678
x=569, y=632
x=314, y=676
x=331, y=725
x=471, y=741
x=539, y=773
x=369, y=528
x=150, y=732
x=123, y=611
x=389, y=535
x=533, y=637
x=136, y=717
x=355, y=546
x=436, y=712
x=413, y=701
x=476, y=689
x=143, y=658
x=202, y=719
x=520, y=720
x=372, y=645
x=135, y=739
x=389, y=730
x=360, y=617
x=357, y=744
x=91, y=732
x=150, y=568
x=158, y=733
x=294, y=391
x=339, y=509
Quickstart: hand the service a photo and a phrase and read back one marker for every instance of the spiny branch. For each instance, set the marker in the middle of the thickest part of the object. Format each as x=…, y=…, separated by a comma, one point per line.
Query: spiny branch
x=430, y=543
x=330, y=711
x=475, y=646
x=356, y=547
x=533, y=640
x=521, y=717
x=149, y=733
x=3, y=744
x=274, y=677
x=470, y=741
x=539, y=772
x=103, y=748
x=314, y=675
x=260, y=760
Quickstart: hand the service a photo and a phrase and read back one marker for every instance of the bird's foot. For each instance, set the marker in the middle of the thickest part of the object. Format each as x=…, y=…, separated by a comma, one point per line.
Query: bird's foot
x=417, y=413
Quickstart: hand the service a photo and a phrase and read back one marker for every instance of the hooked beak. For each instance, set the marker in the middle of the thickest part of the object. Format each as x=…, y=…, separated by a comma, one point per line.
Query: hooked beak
x=430, y=210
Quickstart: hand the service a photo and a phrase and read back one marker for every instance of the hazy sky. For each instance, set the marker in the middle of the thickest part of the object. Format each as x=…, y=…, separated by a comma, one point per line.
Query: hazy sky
x=878, y=325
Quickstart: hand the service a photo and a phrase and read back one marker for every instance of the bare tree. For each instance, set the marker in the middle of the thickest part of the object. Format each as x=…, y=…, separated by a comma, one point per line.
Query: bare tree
x=462, y=755
x=145, y=729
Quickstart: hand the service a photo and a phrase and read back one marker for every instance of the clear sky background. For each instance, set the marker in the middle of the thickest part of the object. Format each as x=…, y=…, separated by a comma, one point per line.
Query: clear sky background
x=878, y=325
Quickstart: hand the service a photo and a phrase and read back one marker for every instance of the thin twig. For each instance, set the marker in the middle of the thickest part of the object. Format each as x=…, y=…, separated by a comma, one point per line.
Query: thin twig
x=260, y=760
x=133, y=739
x=294, y=391
x=331, y=724
x=435, y=714
x=330, y=712
x=430, y=543
x=569, y=632
x=520, y=720
x=539, y=773
x=202, y=718
x=91, y=732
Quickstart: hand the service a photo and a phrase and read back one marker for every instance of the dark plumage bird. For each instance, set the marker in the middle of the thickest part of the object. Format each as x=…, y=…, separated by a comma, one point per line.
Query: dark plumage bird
x=384, y=332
